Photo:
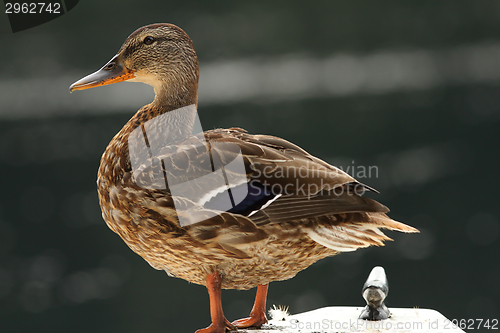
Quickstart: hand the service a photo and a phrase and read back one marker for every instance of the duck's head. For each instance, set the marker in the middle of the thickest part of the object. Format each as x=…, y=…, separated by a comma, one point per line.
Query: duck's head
x=161, y=55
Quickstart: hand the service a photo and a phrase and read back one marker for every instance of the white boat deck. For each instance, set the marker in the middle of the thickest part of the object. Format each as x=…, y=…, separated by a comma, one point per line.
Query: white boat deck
x=345, y=319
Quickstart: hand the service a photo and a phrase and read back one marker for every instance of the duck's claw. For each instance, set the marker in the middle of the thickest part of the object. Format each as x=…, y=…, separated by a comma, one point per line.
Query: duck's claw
x=221, y=327
x=252, y=321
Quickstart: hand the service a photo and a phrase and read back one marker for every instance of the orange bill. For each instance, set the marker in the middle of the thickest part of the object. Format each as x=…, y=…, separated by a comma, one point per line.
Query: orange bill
x=114, y=71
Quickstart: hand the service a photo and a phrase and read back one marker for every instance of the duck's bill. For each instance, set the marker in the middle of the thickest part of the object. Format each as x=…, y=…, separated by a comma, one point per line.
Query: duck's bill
x=114, y=71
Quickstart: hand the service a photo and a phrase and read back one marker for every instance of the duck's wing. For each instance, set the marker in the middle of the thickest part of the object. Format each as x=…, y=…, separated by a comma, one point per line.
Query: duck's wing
x=285, y=182
x=288, y=186
x=228, y=185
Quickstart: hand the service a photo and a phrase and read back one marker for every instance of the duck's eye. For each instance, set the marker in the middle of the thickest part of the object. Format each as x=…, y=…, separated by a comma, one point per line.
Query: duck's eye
x=149, y=40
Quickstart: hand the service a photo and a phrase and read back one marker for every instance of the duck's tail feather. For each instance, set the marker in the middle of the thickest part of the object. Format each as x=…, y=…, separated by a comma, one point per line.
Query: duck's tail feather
x=346, y=237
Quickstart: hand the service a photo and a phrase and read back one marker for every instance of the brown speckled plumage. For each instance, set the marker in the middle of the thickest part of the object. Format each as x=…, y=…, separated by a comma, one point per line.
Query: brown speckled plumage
x=232, y=250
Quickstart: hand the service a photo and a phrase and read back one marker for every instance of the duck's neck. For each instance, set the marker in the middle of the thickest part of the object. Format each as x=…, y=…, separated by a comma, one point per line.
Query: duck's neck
x=174, y=110
x=171, y=96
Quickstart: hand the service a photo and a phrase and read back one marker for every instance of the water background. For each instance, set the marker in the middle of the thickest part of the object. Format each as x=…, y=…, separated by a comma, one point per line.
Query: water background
x=411, y=89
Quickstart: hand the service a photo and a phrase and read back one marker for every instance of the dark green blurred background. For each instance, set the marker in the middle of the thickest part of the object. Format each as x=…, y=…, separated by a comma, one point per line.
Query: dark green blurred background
x=409, y=87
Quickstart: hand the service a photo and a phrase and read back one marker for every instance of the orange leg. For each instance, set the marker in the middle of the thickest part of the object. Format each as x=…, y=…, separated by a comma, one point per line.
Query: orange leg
x=258, y=313
x=219, y=322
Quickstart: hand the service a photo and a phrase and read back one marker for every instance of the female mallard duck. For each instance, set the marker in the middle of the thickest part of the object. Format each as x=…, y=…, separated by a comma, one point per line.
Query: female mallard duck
x=223, y=208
